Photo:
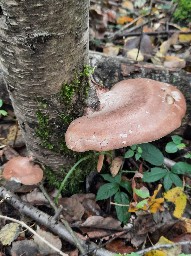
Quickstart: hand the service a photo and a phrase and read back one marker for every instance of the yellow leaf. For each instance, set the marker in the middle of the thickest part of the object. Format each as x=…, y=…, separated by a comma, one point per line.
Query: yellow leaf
x=185, y=38
x=135, y=54
x=151, y=204
x=124, y=19
x=156, y=253
x=172, y=251
x=177, y=196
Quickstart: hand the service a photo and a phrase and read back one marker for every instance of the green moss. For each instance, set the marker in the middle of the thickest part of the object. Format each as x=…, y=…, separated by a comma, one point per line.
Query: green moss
x=43, y=131
x=72, y=100
x=182, y=12
x=79, y=87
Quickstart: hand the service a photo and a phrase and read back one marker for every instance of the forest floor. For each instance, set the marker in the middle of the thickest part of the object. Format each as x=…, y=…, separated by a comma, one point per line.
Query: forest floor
x=137, y=201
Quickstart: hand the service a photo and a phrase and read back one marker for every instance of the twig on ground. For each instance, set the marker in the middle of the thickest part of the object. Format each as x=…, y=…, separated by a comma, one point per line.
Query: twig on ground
x=34, y=233
x=157, y=33
x=66, y=224
x=47, y=197
x=46, y=220
x=162, y=246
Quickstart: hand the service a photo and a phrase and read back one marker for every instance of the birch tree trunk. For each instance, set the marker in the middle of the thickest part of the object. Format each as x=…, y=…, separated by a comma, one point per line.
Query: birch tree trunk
x=44, y=53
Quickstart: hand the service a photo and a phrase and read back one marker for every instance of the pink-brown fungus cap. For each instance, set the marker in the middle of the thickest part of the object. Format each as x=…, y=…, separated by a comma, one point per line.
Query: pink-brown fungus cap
x=134, y=111
x=23, y=170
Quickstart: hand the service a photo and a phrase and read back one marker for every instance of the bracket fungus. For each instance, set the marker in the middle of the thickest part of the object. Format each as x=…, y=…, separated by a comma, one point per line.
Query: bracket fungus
x=134, y=111
x=23, y=170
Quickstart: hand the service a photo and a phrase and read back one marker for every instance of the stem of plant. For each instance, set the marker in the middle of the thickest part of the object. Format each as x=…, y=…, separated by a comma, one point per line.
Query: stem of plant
x=71, y=171
x=68, y=175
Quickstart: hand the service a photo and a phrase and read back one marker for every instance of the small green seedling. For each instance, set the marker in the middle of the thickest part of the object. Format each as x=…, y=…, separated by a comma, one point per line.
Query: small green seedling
x=2, y=111
x=134, y=150
x=175, y=145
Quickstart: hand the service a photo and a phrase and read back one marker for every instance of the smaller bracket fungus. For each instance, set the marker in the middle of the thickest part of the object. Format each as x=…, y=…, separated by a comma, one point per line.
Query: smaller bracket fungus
x=23, y=170
x=134, y=111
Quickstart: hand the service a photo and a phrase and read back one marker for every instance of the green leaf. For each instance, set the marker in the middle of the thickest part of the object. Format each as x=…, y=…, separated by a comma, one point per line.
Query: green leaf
x=107, y=190
x=167, y=181
x=139, y=150
x=152, y=154
x=126, y=185
x=3, y=112
x=176, y=179
x=129, y=153
x=176, y=139
x=143, y=193
x=122, y=211
x=182, y=254
x=142, y=203
x=171, y=147
x=108, y=177
x=155, y=174
x=133, y=147
x=1, y=103
x=137, y=156
x=181, y=168
x=188, y=155
x=181, y=146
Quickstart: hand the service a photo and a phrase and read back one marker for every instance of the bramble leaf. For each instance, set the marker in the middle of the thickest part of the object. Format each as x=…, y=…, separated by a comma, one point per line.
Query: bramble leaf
x=155, y=174
x=107, y=190
x=152, y=154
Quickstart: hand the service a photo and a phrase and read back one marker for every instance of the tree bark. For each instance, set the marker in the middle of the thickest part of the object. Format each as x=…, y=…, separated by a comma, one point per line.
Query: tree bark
x=43, y=51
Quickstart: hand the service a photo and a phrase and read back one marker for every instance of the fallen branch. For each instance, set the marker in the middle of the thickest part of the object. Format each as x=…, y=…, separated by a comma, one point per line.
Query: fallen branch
x=46, y=220
x=34, y=233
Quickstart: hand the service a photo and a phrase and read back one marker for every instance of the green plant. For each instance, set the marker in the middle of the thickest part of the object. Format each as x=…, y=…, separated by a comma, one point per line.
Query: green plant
x=159, y=170
x=2, y=111
x=175, y=145
x=114, y=188
x=134, y=150
x=182, y=12
x=129, y=254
